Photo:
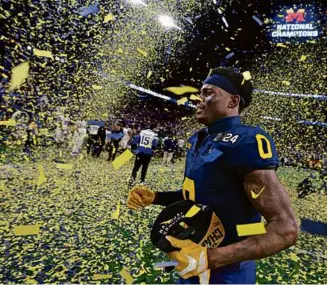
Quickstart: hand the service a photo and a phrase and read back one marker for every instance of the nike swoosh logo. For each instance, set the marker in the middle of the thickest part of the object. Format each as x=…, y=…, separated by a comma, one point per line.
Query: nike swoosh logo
x=192, y=263
x=254, y=195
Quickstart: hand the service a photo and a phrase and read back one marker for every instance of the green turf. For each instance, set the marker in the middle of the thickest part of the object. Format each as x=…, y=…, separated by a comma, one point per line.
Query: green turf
x=78, y=238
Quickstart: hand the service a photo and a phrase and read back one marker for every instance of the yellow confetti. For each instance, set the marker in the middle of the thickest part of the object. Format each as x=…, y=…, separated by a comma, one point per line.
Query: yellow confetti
x=182, y=101
x=142, y=52
x=293, y=256
x=116, y=214
x=42, y=53
x=184, y=118
x=247, y=75
x=30, y=281
x=19, y=74
x=96, y=87
x=149, y=74
x=8, y=123
x=194, y=97
x=42, y=177
x=286, y=83
x=101, y=276
x=26, y=230
x=122, y=159
x=251, y=229
x=126, y=275
x=109, y=17
x=66, y=166
x=192, y=211
x=281, y=45
x=182, y=90
x=142, y=271
x=303, y=57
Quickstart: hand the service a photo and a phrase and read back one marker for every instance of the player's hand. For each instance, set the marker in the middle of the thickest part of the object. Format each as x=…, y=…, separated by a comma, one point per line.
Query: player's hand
x=192, y=259
x=139, y=197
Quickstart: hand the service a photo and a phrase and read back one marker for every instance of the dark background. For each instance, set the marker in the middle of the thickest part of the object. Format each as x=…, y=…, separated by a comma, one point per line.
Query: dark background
x=207, y=48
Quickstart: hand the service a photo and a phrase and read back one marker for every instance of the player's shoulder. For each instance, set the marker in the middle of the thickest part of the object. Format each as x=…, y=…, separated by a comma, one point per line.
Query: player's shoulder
x=241, y=134
x=194, y=135
x=145, y=132
x=250, y=134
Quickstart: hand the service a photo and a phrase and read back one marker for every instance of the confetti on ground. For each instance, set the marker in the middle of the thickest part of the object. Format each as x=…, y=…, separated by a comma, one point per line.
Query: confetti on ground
x=26, y=230
x=42, y=177
x=83, y=224
x=43, y=53
x=122, y=159
x=142, y=52
x=126, y=275
x=109, y=17
x=101, y=276
x=303, y=57
x=96, y=87
x=65, y=166
x=116, y=214
x=9, y=123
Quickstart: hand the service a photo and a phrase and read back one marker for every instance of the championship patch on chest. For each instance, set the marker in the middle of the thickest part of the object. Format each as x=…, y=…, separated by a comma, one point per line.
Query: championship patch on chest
x=226, y=137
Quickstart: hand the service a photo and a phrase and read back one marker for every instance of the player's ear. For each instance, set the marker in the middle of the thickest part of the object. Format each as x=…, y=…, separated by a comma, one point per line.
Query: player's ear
x=234, y=101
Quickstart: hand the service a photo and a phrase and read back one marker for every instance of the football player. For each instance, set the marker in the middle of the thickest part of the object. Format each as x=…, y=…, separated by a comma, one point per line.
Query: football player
x=232, y=168
x=147, y=142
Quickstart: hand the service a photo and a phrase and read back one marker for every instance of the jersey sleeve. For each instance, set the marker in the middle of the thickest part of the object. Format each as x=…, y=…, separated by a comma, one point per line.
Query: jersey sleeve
x=136, y=140
x=256, y=151
x=154, y=142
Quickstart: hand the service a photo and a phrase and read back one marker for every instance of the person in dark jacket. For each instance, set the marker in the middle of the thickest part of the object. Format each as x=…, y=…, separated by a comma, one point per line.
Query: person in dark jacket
x=168, y=148
x=116, y=136
x=99, y=142
x=31, y=138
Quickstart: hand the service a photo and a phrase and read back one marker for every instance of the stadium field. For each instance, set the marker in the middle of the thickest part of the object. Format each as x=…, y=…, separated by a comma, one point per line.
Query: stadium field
x=88, y=235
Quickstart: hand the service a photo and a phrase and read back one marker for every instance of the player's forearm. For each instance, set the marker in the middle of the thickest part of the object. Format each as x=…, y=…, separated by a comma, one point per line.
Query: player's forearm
x=167, y=198
x=277, y=238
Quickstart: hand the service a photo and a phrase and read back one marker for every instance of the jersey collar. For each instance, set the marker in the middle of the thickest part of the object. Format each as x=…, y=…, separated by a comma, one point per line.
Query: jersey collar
x=223, y=125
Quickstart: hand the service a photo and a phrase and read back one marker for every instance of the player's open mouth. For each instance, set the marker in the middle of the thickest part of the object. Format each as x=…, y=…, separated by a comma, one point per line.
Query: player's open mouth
x=200, y=109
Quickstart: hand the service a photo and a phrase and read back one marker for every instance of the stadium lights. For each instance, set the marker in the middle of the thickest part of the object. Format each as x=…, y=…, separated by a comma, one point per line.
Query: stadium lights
x=138, y=2
x=167, y=22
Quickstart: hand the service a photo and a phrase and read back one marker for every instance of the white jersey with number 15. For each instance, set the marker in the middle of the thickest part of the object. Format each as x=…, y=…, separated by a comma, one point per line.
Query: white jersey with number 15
x=146, y=138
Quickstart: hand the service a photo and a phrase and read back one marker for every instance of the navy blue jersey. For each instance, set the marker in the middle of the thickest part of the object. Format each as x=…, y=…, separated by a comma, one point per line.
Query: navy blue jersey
x=168, y=145
x=218, y=158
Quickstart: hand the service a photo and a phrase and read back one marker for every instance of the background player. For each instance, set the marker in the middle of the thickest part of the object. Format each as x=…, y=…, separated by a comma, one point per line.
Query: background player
x=146, y=142
x=168, y=149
